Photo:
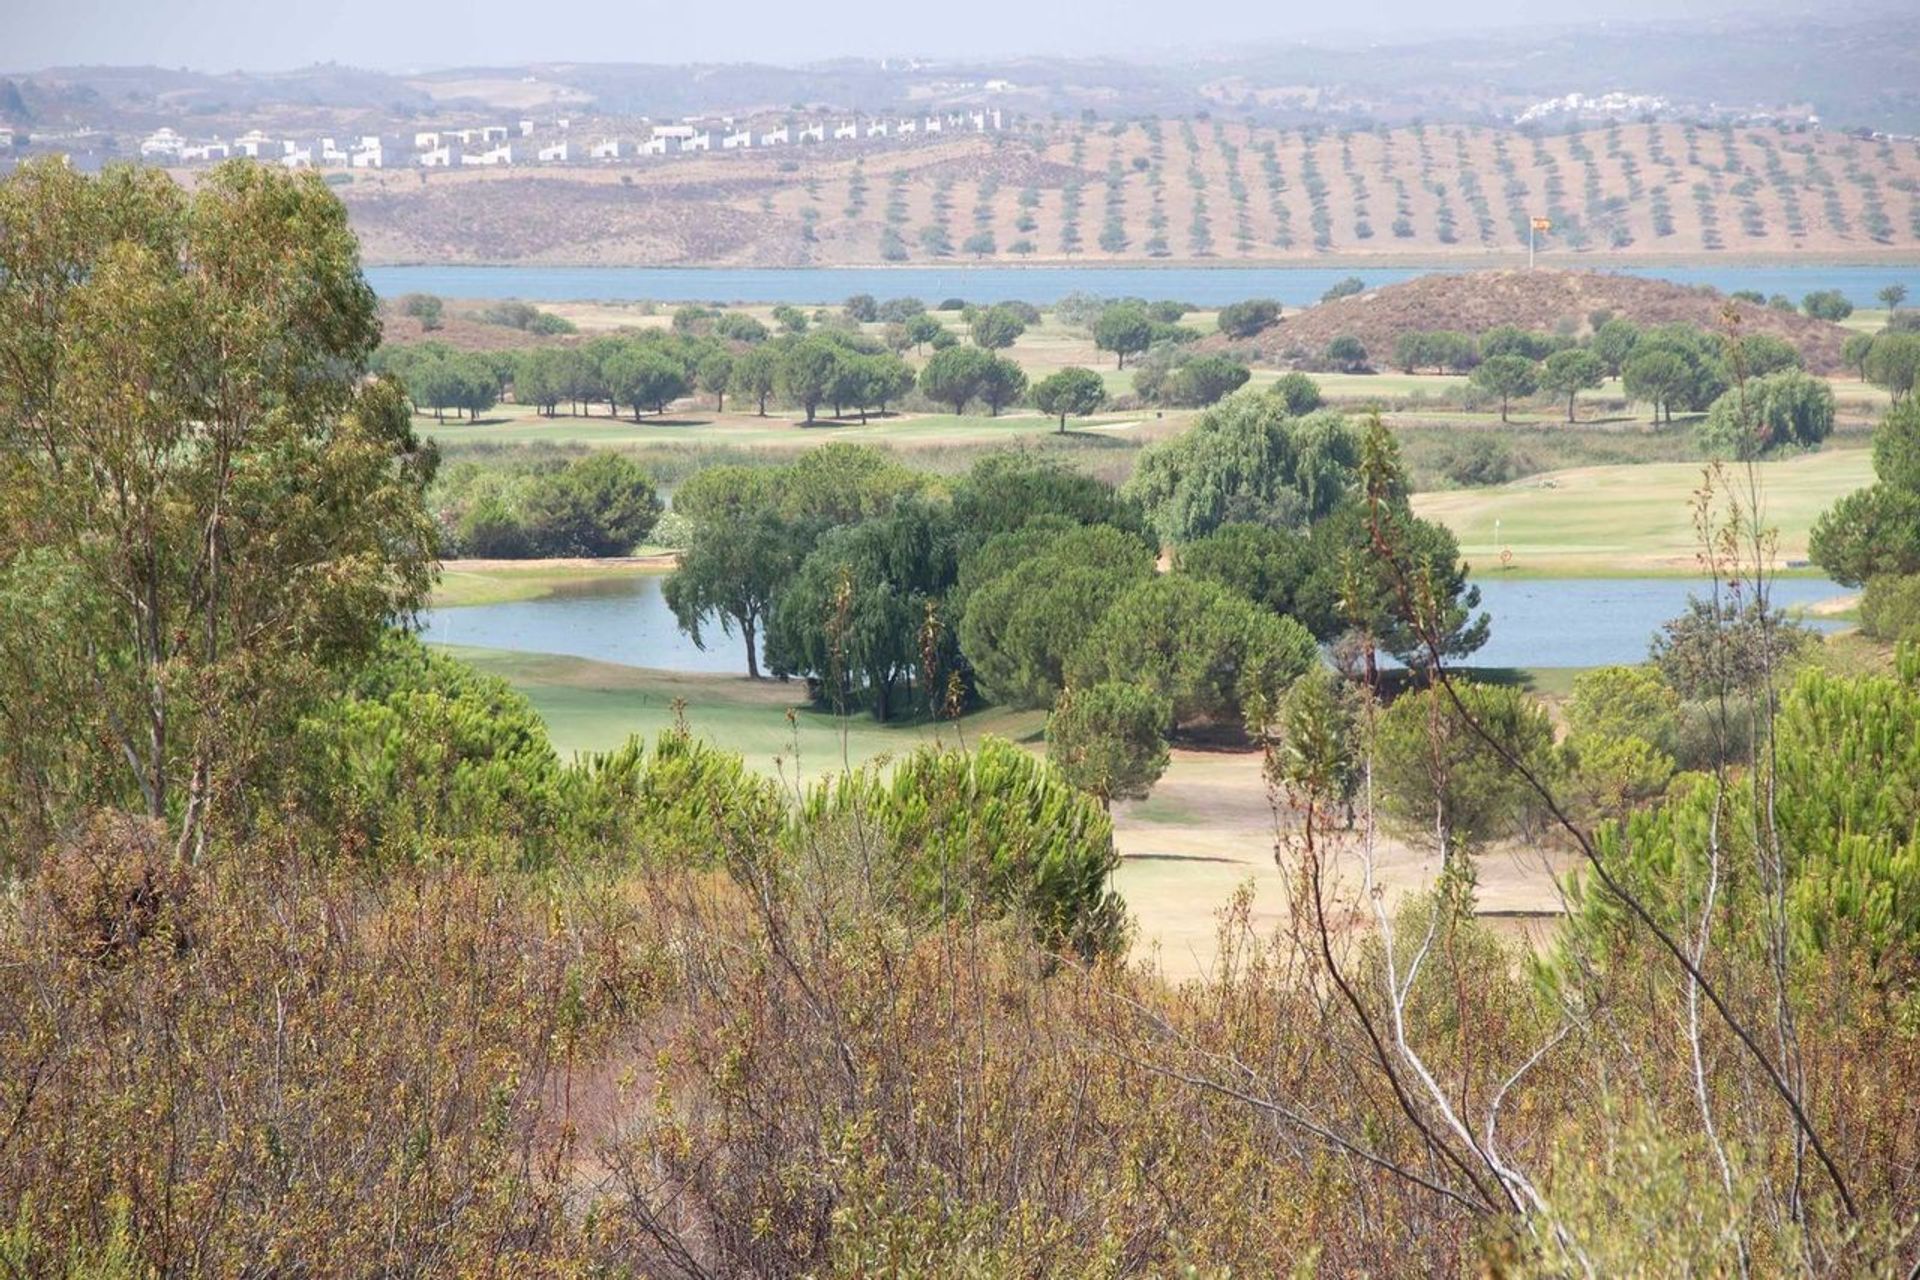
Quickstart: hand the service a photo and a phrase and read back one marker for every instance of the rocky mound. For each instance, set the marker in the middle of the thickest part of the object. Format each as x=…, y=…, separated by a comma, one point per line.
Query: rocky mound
x=1544, y=301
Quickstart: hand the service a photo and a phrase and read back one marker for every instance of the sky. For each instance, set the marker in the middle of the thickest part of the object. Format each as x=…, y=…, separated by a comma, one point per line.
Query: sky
x=402, y=35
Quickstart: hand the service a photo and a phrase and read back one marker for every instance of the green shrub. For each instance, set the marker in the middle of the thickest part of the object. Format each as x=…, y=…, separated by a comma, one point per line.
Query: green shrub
x=1211, y=654
x=684, y=803
x=1245, y=319
x=425, y=758
x=1472, y=461
x=1890, y=607
x=1299, y=393
x=1785, y=410
x=1106, y=740
x=991, y=831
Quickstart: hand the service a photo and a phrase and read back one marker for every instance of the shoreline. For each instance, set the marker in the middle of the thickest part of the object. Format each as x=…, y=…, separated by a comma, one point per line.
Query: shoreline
x=651, y=562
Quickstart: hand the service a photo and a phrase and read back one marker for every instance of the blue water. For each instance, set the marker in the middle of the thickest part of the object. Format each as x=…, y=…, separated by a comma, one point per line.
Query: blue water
x=625, y=621
x=1202, y=286
x=1537, y=622
x=1592, y=622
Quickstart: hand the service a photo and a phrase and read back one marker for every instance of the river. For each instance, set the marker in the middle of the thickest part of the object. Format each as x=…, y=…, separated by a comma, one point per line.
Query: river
x=1537, y=622
x=1201, y=286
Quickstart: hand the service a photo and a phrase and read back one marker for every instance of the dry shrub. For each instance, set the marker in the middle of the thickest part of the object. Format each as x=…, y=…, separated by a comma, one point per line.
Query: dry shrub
x=772, y=1073
x=335, y=1078
x=114, y=884
x=848, y=1096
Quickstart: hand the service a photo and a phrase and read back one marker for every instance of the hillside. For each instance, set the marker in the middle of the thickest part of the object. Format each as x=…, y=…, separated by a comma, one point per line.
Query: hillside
x=1176, y=191
x=1546, y=301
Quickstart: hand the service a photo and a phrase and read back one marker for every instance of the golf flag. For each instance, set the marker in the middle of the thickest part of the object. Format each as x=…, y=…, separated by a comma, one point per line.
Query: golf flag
x=1543, y=224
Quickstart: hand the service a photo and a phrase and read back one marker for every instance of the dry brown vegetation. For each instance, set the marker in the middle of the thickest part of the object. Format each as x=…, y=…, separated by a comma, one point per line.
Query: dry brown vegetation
x=1180, y=191
x=1540, y=301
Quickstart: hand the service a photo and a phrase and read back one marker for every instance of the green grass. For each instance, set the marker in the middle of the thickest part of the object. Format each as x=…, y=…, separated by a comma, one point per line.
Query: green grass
x=1631, y=520
x=1866, y=320
x=595, y=706
x=465, y=583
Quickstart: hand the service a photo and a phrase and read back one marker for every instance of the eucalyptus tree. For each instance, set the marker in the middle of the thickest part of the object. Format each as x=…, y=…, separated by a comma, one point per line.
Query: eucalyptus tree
x=205, y=507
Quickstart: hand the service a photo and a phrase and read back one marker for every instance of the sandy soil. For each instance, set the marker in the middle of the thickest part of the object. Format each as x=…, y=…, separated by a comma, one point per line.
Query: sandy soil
x=1207, y=829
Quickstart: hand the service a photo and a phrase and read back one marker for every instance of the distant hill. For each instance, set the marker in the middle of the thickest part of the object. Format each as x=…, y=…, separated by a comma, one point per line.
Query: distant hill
x=1855, y=65
x=1544, y=301
x=1201, y=191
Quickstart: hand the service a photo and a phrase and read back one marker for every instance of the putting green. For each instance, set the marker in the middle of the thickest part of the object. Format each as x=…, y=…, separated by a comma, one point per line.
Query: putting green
x=594, y=706
x=470, y=582
x=1633, y=520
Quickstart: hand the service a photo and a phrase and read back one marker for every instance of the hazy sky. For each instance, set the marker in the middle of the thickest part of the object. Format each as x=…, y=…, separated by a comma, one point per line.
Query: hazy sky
x=224, y=35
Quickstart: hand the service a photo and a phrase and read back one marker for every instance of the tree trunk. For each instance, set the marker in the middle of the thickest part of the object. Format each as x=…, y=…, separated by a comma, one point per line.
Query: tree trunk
x=1063, y=424
x=1570, y=396
x=753, y=649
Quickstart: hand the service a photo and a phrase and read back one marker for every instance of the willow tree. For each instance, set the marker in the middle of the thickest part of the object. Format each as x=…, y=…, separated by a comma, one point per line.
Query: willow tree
x=204, y=503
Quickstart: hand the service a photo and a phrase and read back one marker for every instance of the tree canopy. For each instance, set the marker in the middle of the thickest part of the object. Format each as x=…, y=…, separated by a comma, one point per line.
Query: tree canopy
x=205, y=500
x=1069, y=393
x=1247, y=458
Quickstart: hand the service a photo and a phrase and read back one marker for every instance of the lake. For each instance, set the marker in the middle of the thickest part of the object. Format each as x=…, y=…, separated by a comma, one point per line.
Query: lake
x=1537, y=622
x=1201, y=286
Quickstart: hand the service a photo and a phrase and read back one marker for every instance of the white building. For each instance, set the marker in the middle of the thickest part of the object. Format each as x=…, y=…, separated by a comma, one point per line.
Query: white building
x=813, y=133
x=737, y=140
x=776, y=137
x=215, y=150
x=907, y=126
x=877, y=128
x=163, y=143
x=931, y=125
x=999, y=86
x=441, y=157
x=555, y=153
x=605, y=149
x=526, y=128
x=256, y=144
x=845, y=130
x=371, y=151
x=494, y=133
x=429, y=141
x=698, y=142
x=493, y=157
